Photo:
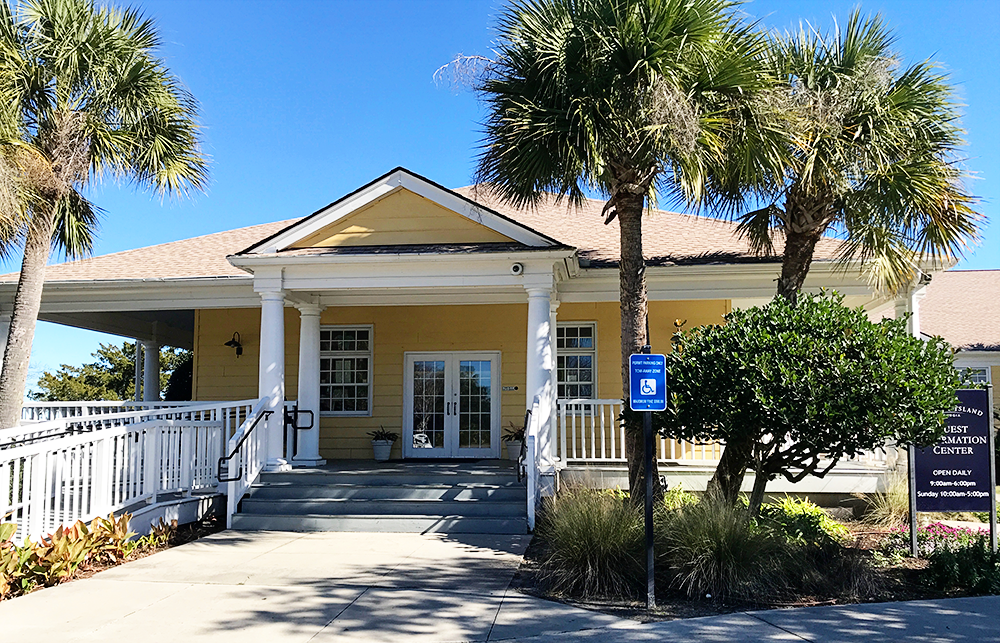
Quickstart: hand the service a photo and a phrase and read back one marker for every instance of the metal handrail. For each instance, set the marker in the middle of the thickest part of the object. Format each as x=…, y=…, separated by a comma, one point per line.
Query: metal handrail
x=236, y=449
x=522, y=454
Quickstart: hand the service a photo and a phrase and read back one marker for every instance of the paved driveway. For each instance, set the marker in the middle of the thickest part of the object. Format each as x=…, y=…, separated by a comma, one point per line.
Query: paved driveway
x=269, y=586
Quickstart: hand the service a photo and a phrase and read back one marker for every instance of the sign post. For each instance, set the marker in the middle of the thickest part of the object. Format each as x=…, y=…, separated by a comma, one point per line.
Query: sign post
x=958, y=473
x=648, y=393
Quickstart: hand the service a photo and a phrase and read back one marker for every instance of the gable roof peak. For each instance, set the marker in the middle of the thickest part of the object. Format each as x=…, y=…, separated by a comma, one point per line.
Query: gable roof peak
x=400, y=178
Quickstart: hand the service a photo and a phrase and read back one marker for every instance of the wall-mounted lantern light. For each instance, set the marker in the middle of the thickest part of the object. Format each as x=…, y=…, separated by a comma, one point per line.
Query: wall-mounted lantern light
x=235, y=343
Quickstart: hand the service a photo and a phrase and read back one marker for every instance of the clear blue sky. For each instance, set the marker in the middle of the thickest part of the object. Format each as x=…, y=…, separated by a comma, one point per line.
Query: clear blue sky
x=304, y=101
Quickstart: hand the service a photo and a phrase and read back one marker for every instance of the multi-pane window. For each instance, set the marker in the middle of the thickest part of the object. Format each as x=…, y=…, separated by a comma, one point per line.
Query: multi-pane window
x=345, y=369
x=576, y=357
x=978, y=374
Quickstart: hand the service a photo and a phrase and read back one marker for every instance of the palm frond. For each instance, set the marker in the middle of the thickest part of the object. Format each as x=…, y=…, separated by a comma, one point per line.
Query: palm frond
x=76, y=220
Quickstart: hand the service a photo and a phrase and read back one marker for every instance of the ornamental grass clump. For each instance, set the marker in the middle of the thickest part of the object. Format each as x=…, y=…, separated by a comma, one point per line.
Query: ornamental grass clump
x=594, y=544
x=715, y=550
x=891, y=507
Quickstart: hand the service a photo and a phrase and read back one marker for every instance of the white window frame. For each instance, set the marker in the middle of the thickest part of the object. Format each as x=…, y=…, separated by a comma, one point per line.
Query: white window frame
x=976, y=367
x=577, y=351
x=370, y=354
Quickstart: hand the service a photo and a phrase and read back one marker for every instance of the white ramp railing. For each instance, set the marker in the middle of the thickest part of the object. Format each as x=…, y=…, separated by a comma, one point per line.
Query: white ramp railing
x=245, y=457
x=231, y=414
x=32, y=412
x=55, y=473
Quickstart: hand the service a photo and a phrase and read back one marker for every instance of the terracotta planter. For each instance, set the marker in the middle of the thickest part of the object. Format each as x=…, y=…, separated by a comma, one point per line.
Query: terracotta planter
x=382, y=448
x=513, y=450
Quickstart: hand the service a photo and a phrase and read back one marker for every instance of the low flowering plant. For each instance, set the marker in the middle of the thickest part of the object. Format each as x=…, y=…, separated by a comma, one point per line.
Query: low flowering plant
x=931, y=538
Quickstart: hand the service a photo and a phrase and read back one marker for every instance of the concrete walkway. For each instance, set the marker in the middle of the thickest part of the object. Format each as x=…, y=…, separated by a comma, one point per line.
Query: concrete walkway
x=270, y=586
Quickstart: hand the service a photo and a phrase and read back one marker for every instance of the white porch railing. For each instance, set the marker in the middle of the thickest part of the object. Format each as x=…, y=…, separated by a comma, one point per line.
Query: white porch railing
x=589, y=431
x=76, y=468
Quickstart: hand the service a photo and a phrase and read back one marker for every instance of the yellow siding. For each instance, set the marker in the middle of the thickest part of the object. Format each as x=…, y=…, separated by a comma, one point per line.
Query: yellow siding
x=661, y=326
x=401, y=218
x=219, y=375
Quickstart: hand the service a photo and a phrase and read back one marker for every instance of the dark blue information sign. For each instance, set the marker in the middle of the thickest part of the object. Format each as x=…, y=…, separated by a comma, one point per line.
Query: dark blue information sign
x=647, y=382
x=954, y=474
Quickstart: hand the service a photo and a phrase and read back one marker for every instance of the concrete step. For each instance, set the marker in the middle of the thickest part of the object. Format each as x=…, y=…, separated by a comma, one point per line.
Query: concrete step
x=382, y=523
x=293, y=491
x=349, y=506
x=499, y=477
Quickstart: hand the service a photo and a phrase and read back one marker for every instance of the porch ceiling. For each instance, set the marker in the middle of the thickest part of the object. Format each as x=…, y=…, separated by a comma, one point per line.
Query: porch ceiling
x=167, y=327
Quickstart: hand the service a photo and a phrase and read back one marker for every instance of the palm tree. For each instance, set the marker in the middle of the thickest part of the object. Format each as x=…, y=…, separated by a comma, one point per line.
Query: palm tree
x=83, y=96
x=629, y=98
x=870, y=155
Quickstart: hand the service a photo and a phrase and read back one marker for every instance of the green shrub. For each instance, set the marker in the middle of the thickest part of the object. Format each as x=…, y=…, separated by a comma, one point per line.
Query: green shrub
x=56, y=557
x=715, y=550
x=971, y=566
x=677, y=498
x=594, y=544
x=803, y=522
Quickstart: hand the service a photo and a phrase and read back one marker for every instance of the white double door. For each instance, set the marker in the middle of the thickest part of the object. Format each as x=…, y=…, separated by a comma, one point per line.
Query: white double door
x=451, y=405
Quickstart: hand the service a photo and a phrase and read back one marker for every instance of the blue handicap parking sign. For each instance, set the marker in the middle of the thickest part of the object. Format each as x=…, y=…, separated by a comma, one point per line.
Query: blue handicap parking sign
x=647, y=382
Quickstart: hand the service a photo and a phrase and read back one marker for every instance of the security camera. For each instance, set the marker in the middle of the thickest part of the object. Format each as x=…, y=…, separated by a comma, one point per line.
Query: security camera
x=517, y=269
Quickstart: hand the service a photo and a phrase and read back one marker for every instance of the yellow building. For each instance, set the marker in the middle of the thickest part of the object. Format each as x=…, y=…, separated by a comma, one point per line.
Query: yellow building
x=437, y=314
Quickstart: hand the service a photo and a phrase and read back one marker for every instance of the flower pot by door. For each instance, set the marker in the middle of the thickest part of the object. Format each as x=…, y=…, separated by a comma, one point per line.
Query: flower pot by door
x=513, y=449
x=382, y=448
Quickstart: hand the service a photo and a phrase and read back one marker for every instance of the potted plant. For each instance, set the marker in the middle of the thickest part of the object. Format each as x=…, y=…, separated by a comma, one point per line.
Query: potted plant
x=382, y=441
x=513, y=437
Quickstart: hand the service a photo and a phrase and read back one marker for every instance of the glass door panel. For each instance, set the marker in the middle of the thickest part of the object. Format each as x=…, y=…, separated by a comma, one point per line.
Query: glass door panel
x=429, y=392
x=475, y=392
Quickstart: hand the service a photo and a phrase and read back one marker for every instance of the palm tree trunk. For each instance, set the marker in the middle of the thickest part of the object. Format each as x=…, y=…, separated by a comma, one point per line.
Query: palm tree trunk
x=806, y=218
x=799, y=247
x=27, y=301
x=632, y=274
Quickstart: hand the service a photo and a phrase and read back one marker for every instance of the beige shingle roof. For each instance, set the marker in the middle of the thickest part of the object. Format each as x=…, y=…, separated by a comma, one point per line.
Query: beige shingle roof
x=203, y=256
x=963, y=306
x=666, y=236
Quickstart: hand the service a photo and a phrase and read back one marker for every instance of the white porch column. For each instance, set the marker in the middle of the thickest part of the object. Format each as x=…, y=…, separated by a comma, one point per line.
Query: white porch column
x=538, y=379
x=910, y=303
x=547, y=446
x=138, y=371
x=150, y=372
x=272, y=375
x=307, y=453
